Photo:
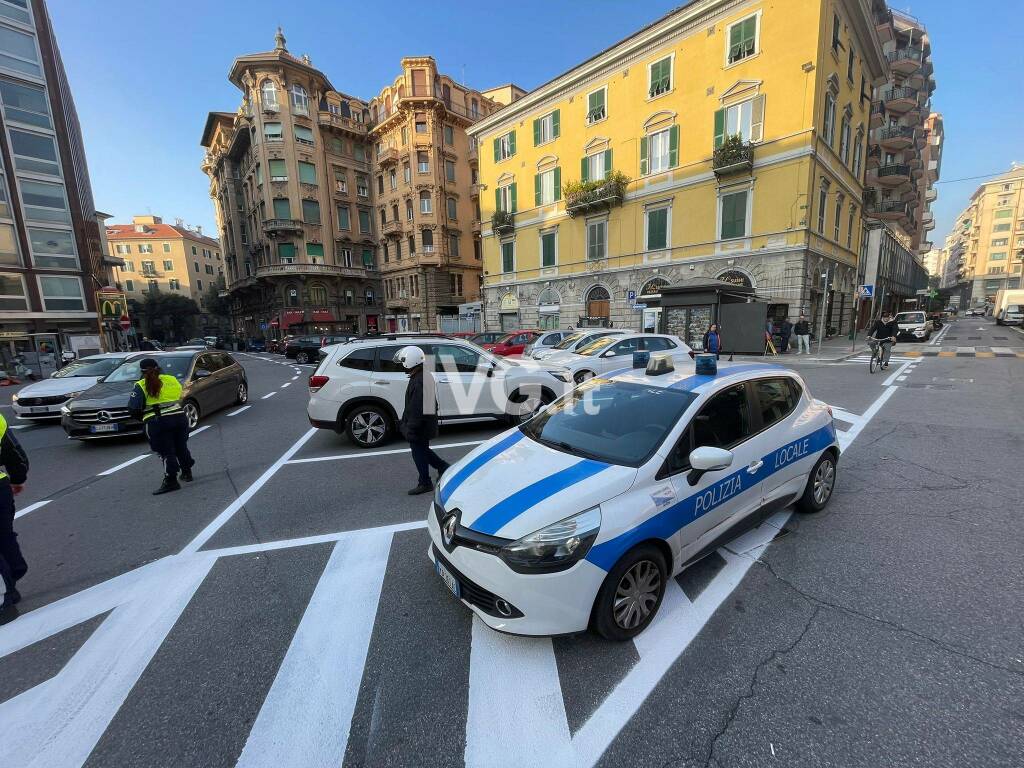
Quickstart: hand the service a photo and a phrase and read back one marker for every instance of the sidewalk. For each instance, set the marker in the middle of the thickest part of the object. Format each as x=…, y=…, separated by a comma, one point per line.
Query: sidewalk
x=832, y=350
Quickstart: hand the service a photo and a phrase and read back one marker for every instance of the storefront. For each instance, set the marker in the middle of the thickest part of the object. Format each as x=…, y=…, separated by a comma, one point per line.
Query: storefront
x=549, y=307
x=689, y=308
x=508, y=312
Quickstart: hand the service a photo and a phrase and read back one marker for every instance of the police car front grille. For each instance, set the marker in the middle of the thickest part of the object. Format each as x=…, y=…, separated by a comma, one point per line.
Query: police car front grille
x=476, y=595
x=50, y=400
x=91, y=415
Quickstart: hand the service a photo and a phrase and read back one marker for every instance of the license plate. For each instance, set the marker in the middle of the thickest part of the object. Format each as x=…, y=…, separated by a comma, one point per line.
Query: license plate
x=38, y=409
x=103, y=428
x=447, y=578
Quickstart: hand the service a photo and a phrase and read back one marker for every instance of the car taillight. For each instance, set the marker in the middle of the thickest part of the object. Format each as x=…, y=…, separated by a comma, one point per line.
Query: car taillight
x=315, y=382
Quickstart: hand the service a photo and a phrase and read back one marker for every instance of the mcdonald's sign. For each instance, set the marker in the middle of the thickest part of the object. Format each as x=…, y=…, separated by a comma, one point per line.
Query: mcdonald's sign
x=111, y=305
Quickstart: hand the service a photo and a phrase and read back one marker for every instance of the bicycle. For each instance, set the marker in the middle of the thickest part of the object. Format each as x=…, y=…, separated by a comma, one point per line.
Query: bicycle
x=877, y=350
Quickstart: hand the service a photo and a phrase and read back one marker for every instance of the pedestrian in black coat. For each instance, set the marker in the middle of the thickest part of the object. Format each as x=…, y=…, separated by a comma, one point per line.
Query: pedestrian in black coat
x=419, y=421
x=15, y=472
x=785, y=331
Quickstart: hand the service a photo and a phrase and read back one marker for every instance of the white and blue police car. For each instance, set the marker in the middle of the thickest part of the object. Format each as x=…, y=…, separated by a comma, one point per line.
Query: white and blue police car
x=577, y=518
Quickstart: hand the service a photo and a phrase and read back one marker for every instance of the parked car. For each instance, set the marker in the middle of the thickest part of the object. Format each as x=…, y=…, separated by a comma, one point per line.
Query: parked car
x=914, y=326
x=43, y=399
x=256, y=345
x=210, y=380
x=513, y=343
x=1013, y=314
x=574, y=341
x=612, y=353
x=303, y=349
x=546, y=340
x=463, y=334
x=487, y=337
x=197, y=342
x=359, y=389
x=975, y=312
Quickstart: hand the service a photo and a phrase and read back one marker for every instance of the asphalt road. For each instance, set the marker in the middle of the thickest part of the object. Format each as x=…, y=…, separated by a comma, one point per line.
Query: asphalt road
x=281, y=609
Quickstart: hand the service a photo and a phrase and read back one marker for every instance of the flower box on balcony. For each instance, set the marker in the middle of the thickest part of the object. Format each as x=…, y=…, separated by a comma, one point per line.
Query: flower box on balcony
x=503, y=222
x=733, y=156
x=587, y=196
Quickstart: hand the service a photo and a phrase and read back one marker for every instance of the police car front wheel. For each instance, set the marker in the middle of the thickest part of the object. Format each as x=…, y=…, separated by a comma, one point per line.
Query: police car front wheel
x=631, y=594
x=820, y=484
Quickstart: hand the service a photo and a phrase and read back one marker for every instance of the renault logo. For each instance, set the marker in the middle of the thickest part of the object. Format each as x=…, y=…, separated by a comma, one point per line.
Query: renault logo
x=448, y=529
x=103, y=416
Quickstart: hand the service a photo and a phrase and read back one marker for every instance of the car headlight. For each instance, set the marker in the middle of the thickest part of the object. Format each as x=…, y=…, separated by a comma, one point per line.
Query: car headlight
x=70, y=395
x=14, y=398
x=561, y=376
x=554, y=548
x=65, y=411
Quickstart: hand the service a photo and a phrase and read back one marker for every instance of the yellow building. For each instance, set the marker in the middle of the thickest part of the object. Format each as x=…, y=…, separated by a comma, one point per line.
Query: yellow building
x=164, y=257
x=725, y=140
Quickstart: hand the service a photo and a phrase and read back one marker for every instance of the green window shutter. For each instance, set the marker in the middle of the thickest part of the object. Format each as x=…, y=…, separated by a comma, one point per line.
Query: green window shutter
x=643, y=156
x=749, y=32
x=497, y=199
x=536, y=132
x=512, y=194
x=558, y=182
x=497, y=151
x=286, y=251
x=282, y=208
x=536, y=188
x=757, y=119
x=556, y=123
x=512, y=142
x=735, y=41
x=584, y=169
x=673, y=146
x=607, y=163
x=719, y=127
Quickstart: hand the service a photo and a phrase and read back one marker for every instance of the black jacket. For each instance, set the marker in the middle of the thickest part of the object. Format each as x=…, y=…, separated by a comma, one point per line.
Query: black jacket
x=417, y=426
x=786, y=328
x=802, y=328
x=882, y=330
x=13, y=458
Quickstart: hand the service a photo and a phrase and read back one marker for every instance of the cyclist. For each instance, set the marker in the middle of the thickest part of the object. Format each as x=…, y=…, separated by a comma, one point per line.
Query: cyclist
x=884, y=332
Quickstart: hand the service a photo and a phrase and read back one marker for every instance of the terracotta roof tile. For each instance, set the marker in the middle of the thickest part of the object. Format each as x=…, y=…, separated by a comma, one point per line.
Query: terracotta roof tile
x=156, y=232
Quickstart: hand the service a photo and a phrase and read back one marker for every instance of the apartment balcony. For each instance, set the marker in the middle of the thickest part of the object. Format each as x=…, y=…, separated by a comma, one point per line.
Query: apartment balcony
x=905, y=60
x=896, y=137
x=503, y=222
x=893, y=175
x=343, y=124
x=401, y=301
x=928, y=220
x=296, y=269
x=391, y=228
x=475, y=227
x=933, y=170
x=474, y=154
x=594, y=196
x=877, y=114
x=874, y=158
x=888, y=210
x=387, y=157
x=884, y=26
x=275, y=227
x=900, y=99
x=149, y=274
x=733, y=157
x=475, y=189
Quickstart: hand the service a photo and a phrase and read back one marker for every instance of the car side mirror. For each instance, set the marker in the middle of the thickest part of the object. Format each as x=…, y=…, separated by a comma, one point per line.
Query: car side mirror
x=201, y=373
x=490, y=369
x=609, y=353
x=707, y=459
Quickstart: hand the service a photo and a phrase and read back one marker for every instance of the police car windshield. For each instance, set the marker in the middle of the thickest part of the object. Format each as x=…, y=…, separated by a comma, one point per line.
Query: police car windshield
x=174, y=365
x=89, y=366
x=612, y=421
x=597, y=345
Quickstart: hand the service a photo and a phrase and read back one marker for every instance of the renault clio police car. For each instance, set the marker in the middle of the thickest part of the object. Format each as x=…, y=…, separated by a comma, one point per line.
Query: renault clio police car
x=577, y=518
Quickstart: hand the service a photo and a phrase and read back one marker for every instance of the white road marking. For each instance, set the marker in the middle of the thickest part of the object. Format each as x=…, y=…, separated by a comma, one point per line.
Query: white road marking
x=31, y=508
x=388, y=452
x=901, y=378
x=19, y=426
x=196, y=431
x=898, y=372
x=122, y=465
x=286, y=384
x=306, y=716
x=294, y=378
x=269, y=394
x=844, y=415
x=846, y=438
x=243, y=409
x=305, y=541
x=215, y=524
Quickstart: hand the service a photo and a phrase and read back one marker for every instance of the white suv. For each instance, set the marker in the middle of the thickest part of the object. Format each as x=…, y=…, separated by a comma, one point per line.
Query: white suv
x=359, y=389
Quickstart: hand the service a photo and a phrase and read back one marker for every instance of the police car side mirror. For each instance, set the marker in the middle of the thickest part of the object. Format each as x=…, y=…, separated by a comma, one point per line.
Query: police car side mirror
x=201, y=373
x=707, y=459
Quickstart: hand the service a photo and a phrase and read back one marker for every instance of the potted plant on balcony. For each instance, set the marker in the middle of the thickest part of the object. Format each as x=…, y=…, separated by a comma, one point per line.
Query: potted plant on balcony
x=733, y=154
x=502, y=221
x=582, y=195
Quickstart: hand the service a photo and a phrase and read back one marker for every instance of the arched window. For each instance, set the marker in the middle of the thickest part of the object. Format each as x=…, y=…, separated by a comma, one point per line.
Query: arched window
x=369, y=297
x=268, y=94
x=425, y=202
x=300, y=100
x=598, y=305
x=549, y=296
x=318, y=295
x=653, y=287
x=292, y=296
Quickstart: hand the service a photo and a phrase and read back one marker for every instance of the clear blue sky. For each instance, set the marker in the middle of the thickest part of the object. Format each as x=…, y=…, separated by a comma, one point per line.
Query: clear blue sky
x=145, y=74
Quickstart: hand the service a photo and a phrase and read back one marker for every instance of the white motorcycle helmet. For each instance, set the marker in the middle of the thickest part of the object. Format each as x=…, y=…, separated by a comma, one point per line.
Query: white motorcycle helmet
x=410, y=357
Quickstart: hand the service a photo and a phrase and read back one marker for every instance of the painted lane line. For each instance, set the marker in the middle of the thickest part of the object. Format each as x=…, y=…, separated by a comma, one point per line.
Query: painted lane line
x=389, y=452
x=843, y=415
x=324, y=663
x=846, y=438
x=901, y=378
x=31, y=508
x=243, y=409
x=269, y=394
x=294, y=378
x=305, y=541
x=286, y=384
x=899, y=372
x=122, y=465
x=196, y=431
x=215, y=525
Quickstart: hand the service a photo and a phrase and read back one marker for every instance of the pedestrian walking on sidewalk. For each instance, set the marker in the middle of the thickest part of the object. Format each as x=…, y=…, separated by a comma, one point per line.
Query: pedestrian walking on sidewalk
x=419, y=421
x=13, y=473
x=156, y=399
x=785, y=331
x=713, y=341
x=802, y=329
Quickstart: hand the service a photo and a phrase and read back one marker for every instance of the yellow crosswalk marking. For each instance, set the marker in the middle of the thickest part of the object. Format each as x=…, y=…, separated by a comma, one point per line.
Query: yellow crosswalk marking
x=947, y=354
x=984, y=354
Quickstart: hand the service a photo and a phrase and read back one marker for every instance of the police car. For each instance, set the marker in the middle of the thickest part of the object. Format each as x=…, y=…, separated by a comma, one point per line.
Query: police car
x=578, y=518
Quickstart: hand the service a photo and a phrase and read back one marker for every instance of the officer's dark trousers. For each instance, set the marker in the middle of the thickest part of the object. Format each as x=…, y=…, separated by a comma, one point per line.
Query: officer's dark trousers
x=168, y=437
x=12, y=564
x=425, y=458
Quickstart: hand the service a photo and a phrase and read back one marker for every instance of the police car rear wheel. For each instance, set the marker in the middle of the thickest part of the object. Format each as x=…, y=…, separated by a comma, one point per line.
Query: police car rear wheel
x=191, y=413
x=820, y=484
x=631, y=594
x=367, y=426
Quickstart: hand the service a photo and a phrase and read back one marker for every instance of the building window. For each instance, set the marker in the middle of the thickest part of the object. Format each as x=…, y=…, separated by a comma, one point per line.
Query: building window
x=315, y=253
x=282, y=208
x=505, y=198
x=311, y=211
x=268, y=95
x=18, y=52
x=174, y=284
x=849, y=65
x=25, y=104
x=344, y=220
x=408, y=210
x=12, y=293
x=839, y=217
x=453, y=246
x=9, y=254
x=318, y=296
x=828, y=127
x=548, y=187
x=359, y=152
x=384, y=252
x=1001, y=228
x=292, y=294
x=149, y=265
x=508, y=256
x=657, y=228
x=548, y=248
x=745, y=119
x=453, y=209
x=596, y=167
x=844, y=140
x=999, y=242
x=303, y=135
x=421, y=124
x=659, y=77
x=406, y=173
x=167, y=247
x=300, y=101
x=858, y=150
x=597, y=105
x=380, y=184
x=474, y=108
x=449, y=170
x=597, y=239
x=425, y=202
x=145, y=248
x=733, y=220
x=364, y=221
x=168, y=265
x=412, y=245
x=370, y=297
x=362, y=185
x=662, y=151
x=822, y=202
x=337, y=145
x=1000, y=256
x=850, y=225
x=34, y=153
x=52, y=249
x=836, y=26
x=427, y=239
x=61, y=293
x=345, y=255
x=128, y=284
x=44, y=202
x=742, y=39
x=394, y=211
x=546, y=128
x=278, y=170
x=307, y=173
x=505, y=146
x=286, y=253
x=477, y=249
x=422, y=162
x=122, y=248
x=393, y=178
x=449, y=135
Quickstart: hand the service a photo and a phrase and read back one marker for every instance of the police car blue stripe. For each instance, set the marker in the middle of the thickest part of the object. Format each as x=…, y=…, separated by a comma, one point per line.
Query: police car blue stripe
x=665, y=524
x=691, y=383
x=472, y=466
x=508, y=509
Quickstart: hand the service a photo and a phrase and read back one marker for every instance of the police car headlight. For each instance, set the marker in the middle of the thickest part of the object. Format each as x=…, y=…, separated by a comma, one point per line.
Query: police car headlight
x=555, y=548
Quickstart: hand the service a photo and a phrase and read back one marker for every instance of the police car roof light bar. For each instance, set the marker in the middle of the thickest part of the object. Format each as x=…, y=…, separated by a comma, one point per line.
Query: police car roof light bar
x=659, y=365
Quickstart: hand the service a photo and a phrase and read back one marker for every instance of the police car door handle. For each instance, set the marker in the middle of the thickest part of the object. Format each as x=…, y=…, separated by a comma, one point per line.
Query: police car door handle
x=755, y=466
x=381, y=383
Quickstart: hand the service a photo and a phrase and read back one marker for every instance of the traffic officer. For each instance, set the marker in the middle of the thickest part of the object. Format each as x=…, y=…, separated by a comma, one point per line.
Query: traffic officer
x=156, y=400
x=419, y=422
x=13, y=472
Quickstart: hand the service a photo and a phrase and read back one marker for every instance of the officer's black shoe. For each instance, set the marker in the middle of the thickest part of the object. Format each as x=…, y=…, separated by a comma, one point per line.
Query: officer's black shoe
x=421, y=489
x=186, y=475
x=169, y=484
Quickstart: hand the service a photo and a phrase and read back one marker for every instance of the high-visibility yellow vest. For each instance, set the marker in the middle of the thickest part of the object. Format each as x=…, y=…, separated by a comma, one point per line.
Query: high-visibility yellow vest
x=3, y=432
x=166, y=403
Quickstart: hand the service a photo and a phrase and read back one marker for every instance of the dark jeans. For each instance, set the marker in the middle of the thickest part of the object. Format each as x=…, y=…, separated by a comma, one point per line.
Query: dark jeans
x=425, y=458
x=12, y=564
x=784, y=344
x=168, y=437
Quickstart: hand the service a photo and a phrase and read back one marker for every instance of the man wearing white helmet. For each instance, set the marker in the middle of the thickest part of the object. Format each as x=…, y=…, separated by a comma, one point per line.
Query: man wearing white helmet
x=419, y=420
